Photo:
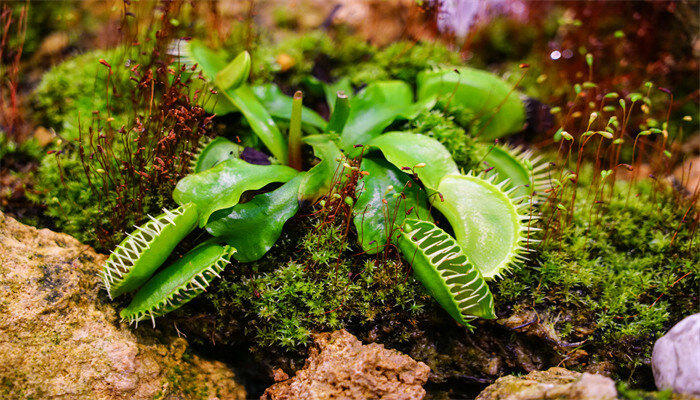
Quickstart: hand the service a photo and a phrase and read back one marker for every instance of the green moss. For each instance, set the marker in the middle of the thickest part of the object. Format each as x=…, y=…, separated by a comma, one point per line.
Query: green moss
x=183, y=383
x=626, y=393
x=617, y=269
x=324, y=287
x=70, y=92
x=64, y=190
x=331, y=57
x=74, y=99
x=28, y=148
x=442, y=126
x=401, y=60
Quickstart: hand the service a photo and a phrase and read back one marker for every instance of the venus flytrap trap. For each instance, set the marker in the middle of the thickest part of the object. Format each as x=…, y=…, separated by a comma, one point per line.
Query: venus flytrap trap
x=440, y=264
x=397, y=180
x=137, y=257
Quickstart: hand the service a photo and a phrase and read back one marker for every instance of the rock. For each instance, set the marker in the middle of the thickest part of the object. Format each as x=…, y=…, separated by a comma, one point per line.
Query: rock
x=554, y=383
x=59, y=338
x=341, y=367
x=675, y=359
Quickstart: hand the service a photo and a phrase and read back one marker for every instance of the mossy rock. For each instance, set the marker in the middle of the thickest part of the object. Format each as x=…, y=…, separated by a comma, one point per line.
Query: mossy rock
x=60, y=338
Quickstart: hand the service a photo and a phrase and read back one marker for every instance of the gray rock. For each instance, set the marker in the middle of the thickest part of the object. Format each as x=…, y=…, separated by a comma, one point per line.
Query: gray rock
x=675, y=360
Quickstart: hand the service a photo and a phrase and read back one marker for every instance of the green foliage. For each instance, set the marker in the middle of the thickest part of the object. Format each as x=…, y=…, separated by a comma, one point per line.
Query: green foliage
x=500, y=110
x=444, y=269
x=371, y=111
x=179, y=282
x=322, y=288
x=489, y=224
x=137, y=257
x=617, y=266
x=422, y=155
x=252, y=228
x=386, y=198
x=221, y=187
x=374, y=108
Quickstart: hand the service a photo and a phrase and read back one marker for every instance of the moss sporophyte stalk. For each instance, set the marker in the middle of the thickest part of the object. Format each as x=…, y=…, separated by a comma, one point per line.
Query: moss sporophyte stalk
x=391, y=183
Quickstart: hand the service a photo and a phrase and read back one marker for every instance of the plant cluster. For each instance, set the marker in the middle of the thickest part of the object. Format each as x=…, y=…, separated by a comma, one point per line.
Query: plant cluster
x=618, y=132
x=388, y=181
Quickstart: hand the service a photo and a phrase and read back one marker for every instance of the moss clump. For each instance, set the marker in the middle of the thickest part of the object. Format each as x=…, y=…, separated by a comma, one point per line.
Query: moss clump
x=68, y=201
x=324, y=287
x=328, y=58
x=629, y=394
x=625, y=270
x=10, y=149
x=442, y=126
x=64, y=189
x=70, y=92
x=117, y=160
x=401, y=60
x=71, y=98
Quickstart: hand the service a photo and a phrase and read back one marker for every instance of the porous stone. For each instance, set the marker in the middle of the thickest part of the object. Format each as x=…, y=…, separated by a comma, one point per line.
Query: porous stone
x=341, y=367
x=675, y=359
x=554, y=383
x=60, y=339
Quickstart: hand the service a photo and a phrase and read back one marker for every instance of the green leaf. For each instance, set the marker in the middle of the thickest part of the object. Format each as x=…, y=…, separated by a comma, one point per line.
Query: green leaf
x=279, y=105
x=214, y=151
x=235, y=73
x=254, y=227
x=424, y=155
x=376, y=220
x=486, y=221
x=339, y=115
x=140, y=254
x=319, y=179
x=499, y=107
x=374, y=108
x=260, y=121
x=241, y=98
x=209, y=63
x=221, y=187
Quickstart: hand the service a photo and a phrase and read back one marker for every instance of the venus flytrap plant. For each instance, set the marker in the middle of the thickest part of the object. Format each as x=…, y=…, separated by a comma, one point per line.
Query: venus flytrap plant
x=398, y=177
